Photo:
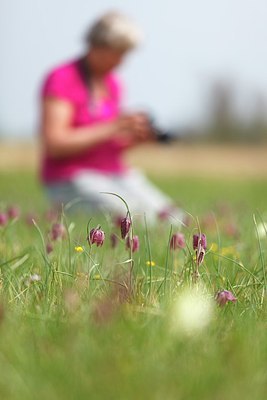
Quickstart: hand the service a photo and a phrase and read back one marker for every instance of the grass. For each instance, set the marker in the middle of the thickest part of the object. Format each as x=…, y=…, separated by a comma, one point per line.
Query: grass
x=78, y=333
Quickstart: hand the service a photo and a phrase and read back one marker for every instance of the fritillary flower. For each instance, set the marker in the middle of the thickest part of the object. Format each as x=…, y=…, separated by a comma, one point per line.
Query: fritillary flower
x=200, y=246
x=3, y=219
x=199, y=240
x=224, y=296
x=125, y=226
x=13, y=212
x=96, y=236
x=177, y=241
x=133, y=243
x=58, y=231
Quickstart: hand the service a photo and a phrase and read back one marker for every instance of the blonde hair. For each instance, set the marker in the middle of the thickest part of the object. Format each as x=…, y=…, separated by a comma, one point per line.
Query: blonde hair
x=114, y=30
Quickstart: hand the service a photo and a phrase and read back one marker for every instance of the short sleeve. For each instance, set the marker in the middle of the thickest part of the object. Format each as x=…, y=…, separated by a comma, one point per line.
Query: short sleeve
x=58, y=84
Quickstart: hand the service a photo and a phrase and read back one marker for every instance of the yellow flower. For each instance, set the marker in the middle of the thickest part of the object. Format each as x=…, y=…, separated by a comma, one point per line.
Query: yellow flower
x=225, y=251
x=229, y=251
x=150, y=263
x=79, y=249
x=97, y=277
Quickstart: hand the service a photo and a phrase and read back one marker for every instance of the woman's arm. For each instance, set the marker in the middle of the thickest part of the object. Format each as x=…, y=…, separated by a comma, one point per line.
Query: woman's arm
x=61, y=141
x=57, y=132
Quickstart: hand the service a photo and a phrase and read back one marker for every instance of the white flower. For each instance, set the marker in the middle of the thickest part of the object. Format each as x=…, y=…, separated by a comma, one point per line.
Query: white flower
x=192, y=311
x=32, y=279
x=35, y=278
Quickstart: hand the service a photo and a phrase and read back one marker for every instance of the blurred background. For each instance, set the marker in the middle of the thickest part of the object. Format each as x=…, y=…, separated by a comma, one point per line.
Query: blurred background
x=201, y=70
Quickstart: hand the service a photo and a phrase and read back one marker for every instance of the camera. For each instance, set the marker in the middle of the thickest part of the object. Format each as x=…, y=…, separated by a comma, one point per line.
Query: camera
x=161, y=135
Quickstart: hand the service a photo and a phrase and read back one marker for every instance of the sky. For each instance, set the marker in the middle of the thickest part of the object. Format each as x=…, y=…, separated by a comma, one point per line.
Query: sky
x=187, y=46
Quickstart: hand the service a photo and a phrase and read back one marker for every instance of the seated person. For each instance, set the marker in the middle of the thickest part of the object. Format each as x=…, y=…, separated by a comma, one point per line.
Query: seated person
x=84, y=133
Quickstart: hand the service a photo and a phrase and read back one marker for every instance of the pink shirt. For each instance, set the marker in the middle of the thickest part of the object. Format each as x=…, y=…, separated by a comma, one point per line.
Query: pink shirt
x=67, y=83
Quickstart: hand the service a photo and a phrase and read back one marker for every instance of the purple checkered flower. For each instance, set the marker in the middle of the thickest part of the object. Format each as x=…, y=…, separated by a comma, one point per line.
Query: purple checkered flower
x=200, y=246
x=96, y=236
x=224, y=296
x=125, y=226
x=177, y=241
x=133, y=243
x=199, y=240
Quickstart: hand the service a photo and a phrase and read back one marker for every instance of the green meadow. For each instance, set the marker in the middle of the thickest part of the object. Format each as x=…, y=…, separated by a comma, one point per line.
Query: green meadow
x=87, y=322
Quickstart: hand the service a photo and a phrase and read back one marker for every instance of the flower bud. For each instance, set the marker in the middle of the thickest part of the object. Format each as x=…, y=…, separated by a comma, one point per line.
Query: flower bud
x=177, y=241
x=224, y=296
x=132, y=244
x=96, y=236
x=125, y=226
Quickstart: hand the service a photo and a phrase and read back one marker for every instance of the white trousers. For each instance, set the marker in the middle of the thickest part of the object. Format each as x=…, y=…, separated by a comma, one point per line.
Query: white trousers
x=86, y=189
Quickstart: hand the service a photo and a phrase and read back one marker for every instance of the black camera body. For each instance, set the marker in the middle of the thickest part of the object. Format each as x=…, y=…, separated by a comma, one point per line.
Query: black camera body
x=161, y=135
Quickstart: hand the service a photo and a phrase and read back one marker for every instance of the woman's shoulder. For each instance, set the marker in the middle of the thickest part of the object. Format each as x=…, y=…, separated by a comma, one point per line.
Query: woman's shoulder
x=63, y=70
x=61, y=80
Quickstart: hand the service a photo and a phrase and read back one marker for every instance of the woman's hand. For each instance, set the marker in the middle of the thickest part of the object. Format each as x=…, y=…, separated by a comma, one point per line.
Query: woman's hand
x=135, y=126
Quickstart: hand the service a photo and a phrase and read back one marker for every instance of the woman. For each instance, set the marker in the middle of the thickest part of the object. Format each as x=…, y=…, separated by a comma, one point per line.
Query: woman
x=84, y=132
